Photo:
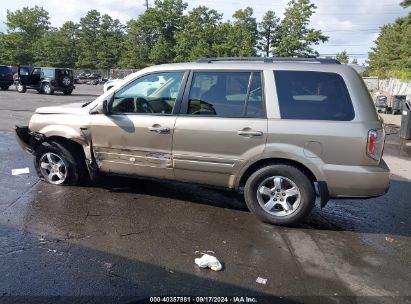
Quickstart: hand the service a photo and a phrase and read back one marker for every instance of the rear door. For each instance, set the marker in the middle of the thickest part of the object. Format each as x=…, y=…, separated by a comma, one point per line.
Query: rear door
x=222, y=124
x=35, y=77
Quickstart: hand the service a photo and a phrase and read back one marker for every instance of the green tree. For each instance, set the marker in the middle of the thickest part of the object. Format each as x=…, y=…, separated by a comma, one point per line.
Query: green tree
x=197, y=38
x=151, y=38
x=69, y=39
x=57, y=47
x=342, y=57
x=406, y=3
x=25, y=27
x=295, y=36
x=167, y=15
x=391, y=55
x=110, y=40
x=223, y=46
x=138, y=42
x=243, y=36
x=267, y=30
x=88, y=42
x=354, y=61
x=33, y=22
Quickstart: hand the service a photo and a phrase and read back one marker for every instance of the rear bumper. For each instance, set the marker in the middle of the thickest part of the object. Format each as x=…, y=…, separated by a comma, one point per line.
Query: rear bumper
x=6, y=82
x=357, y=181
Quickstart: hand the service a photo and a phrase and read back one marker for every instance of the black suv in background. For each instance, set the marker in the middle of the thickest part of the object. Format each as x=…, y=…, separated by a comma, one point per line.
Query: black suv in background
x=45, y=80
x=6, y=77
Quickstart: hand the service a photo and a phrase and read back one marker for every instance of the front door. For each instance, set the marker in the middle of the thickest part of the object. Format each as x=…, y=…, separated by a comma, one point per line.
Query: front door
x=222, y=124
x=136, y=137
x=24, y=74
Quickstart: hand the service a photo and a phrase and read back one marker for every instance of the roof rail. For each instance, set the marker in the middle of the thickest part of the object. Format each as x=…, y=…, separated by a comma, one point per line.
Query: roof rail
x=270, y=59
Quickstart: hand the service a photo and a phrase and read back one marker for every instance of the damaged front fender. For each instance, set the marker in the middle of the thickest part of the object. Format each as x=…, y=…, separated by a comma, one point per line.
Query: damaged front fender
x=28, y=140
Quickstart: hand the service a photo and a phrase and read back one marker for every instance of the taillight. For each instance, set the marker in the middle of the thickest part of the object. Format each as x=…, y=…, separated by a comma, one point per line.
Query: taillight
x=375, y=143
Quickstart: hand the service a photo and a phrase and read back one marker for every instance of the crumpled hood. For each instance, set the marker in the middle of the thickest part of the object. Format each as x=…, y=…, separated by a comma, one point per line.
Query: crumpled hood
x=72, y=108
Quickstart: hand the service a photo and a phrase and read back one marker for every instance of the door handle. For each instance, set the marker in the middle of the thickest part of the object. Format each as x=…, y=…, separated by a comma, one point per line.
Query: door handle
x=249, y=133
x=159, y=129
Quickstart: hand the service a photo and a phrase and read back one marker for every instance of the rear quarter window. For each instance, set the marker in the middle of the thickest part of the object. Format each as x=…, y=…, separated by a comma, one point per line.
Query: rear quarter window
x=313, y=96
x=48, y=73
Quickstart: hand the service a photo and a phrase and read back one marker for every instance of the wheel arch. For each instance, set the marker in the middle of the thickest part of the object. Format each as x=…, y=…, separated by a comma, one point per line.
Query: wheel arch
x=273, y=161
x=70, y=144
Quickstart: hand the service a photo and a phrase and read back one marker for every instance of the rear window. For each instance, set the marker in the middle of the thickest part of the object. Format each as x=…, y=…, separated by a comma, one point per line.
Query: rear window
x=226, y=94
x=48, y=72
x=313, y=96
x=5, y=70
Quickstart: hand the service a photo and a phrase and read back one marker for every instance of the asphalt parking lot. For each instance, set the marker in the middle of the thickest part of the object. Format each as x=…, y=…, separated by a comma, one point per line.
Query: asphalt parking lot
x=129, y=239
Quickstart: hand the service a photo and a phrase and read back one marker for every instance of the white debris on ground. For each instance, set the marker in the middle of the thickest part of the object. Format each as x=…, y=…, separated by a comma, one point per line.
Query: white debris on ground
x=261, y=281
x=20, y=171
x=209, y=261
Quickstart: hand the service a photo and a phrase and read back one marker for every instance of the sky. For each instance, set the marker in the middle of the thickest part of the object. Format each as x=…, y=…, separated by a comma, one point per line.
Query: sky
x=351, y=25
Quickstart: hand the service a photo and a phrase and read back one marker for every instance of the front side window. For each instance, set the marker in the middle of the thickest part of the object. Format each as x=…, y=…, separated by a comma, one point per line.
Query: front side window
x=313, y=96
x=36, y=72
x=226, y=94
x=149, y=94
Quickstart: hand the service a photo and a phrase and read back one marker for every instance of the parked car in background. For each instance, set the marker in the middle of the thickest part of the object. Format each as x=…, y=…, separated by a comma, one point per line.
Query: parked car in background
x=6, y=77
x=381, y=103
x=45, y=80
x=94, y=76
x=82, y=75
x=279, y=130
x=110, y=83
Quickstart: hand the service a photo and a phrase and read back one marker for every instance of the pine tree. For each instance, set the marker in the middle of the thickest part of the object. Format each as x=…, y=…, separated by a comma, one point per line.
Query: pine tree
x=295, y=36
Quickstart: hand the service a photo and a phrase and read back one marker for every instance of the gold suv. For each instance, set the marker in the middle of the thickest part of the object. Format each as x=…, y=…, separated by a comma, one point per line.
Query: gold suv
x=283, y=131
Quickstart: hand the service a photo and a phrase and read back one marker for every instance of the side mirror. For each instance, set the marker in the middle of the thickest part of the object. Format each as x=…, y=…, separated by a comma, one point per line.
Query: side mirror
x=105, y=108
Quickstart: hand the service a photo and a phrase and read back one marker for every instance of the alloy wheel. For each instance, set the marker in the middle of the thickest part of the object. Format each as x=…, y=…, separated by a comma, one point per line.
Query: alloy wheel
x=278, y=196
x=53, y=168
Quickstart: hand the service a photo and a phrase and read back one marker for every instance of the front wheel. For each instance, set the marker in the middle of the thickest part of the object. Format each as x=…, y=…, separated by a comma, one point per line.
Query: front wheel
x=21, y=88
x=279, y=194
x=56, y=165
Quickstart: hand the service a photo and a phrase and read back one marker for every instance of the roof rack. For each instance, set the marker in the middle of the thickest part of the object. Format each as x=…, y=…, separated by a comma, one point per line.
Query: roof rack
x=270, y=59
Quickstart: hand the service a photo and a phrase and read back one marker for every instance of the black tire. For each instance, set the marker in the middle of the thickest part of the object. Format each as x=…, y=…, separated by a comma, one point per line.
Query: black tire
x=46, y=88
x=40, y=91
x=21, y=88
x=76, y=171
x=65, y=81
x=67, y=92
x=291, y=173
x=4, y=88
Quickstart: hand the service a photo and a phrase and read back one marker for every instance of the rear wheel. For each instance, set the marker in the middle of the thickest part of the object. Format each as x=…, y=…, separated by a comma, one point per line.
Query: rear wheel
x=279, y=194
x=58, y=165
x=46, y=88
x=21, y=88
